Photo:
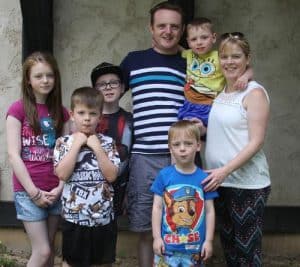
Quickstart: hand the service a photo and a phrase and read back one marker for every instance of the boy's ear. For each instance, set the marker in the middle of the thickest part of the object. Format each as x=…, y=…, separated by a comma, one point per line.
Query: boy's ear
x=199, y=146
x=214, y=37
x=71, y=113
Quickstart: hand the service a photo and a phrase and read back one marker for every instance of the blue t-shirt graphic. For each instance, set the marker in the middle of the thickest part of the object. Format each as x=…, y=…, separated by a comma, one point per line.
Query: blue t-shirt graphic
x=183, y=220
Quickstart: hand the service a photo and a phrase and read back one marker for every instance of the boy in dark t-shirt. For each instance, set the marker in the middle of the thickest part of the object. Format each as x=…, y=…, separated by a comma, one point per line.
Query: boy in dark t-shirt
x=115, y=122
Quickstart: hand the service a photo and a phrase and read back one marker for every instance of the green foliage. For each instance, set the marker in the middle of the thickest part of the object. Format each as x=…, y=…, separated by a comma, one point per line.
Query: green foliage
x=4, y=261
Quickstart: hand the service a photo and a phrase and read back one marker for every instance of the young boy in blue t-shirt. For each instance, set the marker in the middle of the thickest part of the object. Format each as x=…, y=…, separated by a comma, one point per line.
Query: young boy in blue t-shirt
x=183, y=216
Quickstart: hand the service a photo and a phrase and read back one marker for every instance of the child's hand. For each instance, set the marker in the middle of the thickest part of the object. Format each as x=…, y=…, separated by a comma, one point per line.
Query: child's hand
x=43, y=201
x=79, y=138
x=200, y=124
x=54, y=194
x=241, y=83
x=158, y=246
x=207, y=250
x=93, y=142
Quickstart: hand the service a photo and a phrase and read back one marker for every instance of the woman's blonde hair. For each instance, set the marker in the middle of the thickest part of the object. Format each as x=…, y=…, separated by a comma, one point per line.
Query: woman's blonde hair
x=235, y=38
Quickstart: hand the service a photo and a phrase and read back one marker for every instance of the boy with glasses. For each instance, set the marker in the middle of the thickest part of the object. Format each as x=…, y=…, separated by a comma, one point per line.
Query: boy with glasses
x=115, y=122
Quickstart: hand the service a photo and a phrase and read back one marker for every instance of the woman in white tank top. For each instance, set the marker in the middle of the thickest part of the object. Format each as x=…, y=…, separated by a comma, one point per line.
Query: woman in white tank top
x=237, y=165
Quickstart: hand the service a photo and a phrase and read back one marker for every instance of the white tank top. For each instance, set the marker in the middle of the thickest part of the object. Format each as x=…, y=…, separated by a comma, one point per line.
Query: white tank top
x=227, y=135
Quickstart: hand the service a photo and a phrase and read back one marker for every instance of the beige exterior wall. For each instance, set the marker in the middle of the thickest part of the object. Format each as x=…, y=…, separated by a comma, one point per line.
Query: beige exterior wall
x=87, y=32
x=10, y=77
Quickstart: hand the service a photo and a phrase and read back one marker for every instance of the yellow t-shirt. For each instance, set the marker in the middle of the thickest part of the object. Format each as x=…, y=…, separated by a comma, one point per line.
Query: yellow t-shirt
x=203, y=72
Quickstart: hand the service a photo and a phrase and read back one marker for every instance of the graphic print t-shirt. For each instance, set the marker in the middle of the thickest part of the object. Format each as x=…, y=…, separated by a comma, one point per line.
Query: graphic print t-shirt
x=87, y=196
x=183, y=220
x=37, y=150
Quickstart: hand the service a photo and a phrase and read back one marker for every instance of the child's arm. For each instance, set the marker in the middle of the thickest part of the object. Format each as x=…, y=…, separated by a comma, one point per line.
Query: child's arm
x=158, y=243
x=13, y=134
x=108, y=168
x=242, y=81
x=65, y=167
x=207, y=247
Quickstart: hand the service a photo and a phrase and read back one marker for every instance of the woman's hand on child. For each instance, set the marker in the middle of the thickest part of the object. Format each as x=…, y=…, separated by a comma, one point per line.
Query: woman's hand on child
x=214, y=179
x=207, y=250
x=158, y=246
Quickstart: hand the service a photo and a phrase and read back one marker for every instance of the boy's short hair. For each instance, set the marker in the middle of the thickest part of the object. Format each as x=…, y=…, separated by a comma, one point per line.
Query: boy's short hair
x=88, y=96
x=189, y=127
x=105, y=68
x=168, y=6
x=200, y=22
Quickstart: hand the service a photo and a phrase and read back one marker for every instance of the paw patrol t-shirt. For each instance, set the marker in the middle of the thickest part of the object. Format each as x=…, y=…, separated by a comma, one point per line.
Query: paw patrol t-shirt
x=183, y=219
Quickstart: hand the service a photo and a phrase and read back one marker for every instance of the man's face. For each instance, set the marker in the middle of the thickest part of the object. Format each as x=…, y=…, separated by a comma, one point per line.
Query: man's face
x=166, y=30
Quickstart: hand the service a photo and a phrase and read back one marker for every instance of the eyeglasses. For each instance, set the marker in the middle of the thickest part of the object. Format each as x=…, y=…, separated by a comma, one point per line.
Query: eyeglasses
x=234, y=35
x=114, y=84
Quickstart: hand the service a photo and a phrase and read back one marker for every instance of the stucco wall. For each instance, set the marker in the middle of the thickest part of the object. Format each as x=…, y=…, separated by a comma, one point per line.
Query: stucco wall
x=10, y=67
x=89, y=32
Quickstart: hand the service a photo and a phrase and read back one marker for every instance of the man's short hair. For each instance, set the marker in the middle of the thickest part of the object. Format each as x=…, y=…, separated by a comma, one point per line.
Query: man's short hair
x=88, y=96
x=166, y=5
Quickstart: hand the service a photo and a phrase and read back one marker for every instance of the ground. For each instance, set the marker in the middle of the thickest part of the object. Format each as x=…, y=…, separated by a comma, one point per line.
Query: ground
x=269, y=261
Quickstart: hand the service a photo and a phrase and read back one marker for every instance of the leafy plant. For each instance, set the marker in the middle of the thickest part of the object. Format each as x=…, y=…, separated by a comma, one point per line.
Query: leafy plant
x=4, y=261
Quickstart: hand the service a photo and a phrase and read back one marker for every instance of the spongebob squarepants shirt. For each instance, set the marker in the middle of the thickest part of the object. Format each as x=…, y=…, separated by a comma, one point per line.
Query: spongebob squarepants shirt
x=183, y=219
x=87, y=197
x=204, y=73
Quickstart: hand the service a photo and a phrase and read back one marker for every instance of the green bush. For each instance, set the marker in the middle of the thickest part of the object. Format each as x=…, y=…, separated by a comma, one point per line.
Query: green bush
x=4, y=261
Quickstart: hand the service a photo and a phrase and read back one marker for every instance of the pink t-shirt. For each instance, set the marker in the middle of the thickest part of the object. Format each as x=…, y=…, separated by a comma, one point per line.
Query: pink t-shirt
x=37, y=150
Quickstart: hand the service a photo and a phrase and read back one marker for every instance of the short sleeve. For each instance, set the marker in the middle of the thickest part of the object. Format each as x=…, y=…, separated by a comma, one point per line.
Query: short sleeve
x=16, y=110
x=158, y=187
x=110, y=148
x=62, y=146
x=211, y=195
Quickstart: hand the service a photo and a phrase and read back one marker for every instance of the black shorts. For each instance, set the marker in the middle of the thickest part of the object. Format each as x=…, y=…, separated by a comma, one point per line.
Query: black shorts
x=84, y=246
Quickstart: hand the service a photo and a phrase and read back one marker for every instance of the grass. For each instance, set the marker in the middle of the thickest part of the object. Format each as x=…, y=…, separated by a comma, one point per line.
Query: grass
x=4, y=260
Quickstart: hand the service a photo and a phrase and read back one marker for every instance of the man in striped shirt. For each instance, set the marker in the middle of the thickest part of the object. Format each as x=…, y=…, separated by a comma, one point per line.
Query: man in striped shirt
x=156, y=77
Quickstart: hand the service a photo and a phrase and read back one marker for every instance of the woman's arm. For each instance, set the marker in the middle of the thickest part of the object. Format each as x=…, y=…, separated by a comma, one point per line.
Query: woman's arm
x=257, y=108
x=158, y=244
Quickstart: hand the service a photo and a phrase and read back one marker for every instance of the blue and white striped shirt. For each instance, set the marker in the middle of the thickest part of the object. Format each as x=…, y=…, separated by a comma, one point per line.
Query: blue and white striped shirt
x=156, y=82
